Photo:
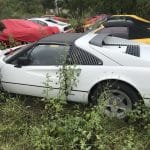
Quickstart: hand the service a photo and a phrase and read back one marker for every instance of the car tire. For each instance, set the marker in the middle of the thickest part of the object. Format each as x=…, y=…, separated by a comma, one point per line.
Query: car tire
x=117, y=98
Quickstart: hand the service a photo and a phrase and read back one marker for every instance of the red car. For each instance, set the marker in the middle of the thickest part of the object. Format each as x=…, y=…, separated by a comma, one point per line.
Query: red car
x=24, y=31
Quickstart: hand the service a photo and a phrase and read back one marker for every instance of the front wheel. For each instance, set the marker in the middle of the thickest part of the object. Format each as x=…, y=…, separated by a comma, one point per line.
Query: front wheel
x=116, y=98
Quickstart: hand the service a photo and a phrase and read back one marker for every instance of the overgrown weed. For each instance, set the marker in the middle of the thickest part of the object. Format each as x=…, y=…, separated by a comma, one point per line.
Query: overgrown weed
x=25, y=125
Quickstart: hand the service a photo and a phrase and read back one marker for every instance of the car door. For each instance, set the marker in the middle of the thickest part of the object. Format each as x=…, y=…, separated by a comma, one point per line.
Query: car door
x=39, y=75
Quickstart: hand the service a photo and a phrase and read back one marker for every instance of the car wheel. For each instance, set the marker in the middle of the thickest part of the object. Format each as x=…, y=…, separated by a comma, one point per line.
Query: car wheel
x=116, y=98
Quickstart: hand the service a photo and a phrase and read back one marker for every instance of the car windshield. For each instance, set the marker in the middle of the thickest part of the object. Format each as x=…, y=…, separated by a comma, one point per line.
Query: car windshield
x=53, y=21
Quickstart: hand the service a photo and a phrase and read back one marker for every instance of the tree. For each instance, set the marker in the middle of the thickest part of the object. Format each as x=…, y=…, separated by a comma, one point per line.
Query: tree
x=19, y=8
x=143, y=8
x=114, y=7
x=77, y=9
x=48, y=4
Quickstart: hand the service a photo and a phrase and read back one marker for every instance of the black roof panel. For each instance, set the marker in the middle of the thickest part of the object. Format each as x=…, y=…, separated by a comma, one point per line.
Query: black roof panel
x=67, y=38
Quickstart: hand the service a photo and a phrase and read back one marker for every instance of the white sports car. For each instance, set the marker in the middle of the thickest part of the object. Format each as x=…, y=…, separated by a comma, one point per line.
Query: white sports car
x=102, y=60
x=62, y=26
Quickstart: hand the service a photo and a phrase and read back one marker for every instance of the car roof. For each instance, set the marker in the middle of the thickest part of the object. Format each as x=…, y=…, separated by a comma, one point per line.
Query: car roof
x=66, y=38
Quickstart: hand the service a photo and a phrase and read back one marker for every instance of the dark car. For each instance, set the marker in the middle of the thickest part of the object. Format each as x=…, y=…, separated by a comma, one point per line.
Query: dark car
x=127, y=27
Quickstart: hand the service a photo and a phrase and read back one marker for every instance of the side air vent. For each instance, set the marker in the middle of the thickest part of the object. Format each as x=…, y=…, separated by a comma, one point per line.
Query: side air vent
x=133, y=50
x=78, y=56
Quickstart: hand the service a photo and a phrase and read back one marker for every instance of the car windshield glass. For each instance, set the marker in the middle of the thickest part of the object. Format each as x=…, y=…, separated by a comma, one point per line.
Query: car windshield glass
x=53, y=21
x=49, y=20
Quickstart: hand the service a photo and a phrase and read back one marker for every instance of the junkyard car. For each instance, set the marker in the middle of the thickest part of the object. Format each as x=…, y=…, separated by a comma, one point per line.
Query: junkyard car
x=48, y=21
x=127, y=26
x=101, y=60
x=24, y=31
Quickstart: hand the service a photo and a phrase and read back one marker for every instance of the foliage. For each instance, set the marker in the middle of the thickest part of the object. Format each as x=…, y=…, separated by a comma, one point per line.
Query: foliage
x=67, y=80
x=82, y=8
x=19, y=8
x=143, y=8
x=26, y=124
x=78, y=9
x=14, y=124
x=48, y=4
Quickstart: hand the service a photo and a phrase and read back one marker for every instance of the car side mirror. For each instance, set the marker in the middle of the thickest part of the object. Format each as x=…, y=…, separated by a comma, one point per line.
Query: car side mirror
x=22, y=61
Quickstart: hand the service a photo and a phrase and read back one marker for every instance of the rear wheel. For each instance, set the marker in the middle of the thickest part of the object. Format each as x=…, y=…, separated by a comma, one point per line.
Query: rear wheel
x=117, y=98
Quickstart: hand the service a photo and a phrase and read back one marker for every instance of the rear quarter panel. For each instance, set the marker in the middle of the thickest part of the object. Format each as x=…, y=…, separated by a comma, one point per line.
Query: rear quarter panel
x=138, y=77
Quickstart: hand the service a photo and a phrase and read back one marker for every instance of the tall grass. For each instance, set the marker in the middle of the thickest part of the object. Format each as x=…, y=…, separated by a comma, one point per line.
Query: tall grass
x=26, y=123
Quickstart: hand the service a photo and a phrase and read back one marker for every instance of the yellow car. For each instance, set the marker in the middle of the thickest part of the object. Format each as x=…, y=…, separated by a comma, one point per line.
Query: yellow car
x=127, y=26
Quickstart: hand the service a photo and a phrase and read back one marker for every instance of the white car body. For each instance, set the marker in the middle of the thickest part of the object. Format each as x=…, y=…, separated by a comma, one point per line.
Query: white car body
x=116, y=65
x=46, y=21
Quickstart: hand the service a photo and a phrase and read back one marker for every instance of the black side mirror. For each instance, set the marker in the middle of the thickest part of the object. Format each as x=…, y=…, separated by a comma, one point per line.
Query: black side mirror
x=22, y=61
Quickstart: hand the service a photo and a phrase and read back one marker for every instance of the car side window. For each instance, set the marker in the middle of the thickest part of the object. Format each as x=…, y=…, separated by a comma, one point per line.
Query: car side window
x=40, y=22
x=51, y=54
x=79, y=56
